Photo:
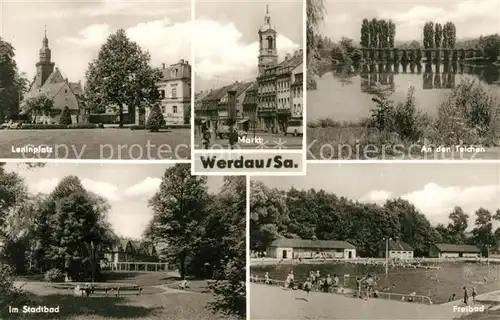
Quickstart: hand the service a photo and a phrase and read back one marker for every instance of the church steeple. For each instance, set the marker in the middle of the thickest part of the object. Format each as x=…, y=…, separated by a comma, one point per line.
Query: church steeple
x=268, y=53
x=44, y=66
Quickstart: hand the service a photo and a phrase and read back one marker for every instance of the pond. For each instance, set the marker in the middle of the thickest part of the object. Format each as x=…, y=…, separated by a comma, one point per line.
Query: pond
x=346, y=95
x=438, y=285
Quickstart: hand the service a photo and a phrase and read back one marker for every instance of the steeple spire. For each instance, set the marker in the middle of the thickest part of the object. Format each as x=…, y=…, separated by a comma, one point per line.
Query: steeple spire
x=267, y=9
x=45, y=39
x=267, y=18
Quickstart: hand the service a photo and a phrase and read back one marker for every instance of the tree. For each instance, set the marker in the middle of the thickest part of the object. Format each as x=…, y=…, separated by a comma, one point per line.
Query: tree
x=452, y=36
x=491, y=46
x=315, y=11
x=392, y=33
x=8, y=70
x=13, y=192
x=179, y=213
x=39, y=106
x=482, y=234
x=374, y=33
x=428, y=35
x=230, y=287
x=458, y=225
x=438, y=35
x=65, y=118
x=156, y=121
x=384, y=34
x=365, y=34
x=121, y=76
x=268, y=215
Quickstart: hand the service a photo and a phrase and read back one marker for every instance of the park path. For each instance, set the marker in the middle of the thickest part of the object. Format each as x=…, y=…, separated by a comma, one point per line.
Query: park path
x=269, y=302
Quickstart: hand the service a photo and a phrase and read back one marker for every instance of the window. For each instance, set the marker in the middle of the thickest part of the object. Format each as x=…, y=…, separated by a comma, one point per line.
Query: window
x=162, y=109
x=65, y=90
x=162, y=94
x=174, y=109
x=270, y=43
x=174, y=93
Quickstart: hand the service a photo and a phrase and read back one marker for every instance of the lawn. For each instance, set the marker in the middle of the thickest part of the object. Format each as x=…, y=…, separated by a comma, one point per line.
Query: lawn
x=154, y=303
x=102, y=144
x=362, y=143
x=439, y=285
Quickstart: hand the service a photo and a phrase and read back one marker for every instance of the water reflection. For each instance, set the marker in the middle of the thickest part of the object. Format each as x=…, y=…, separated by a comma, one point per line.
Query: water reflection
x=434, y=76
x=338, y=92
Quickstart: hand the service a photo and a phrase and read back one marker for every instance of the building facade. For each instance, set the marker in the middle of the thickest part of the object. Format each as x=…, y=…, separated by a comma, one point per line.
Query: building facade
x=175, y=93
x=240, y=89
x=126, y=250
x=396, y=250
x=277, y=82
x=445, y=250
x=310, y=249
x=50, y=83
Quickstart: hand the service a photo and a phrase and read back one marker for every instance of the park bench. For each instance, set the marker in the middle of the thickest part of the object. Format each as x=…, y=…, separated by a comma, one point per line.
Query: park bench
x=89, y=290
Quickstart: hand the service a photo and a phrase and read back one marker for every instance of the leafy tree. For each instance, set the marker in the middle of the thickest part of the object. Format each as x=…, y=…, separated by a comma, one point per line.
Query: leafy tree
x=39, y=106
x=438, y=35
x=8, y=71
x=482, y=234
x=156, y=121
x=384, y=34
x=13, y=192
x=429, y=35
x=179, y=213
x=121, y=76
x=315, y=11
x=374, y=33
x=230, y=288
x=268, y=215
x=392, y=33
x=365, y=34
x=452, y=36
x=491, y=46
x=65, y=118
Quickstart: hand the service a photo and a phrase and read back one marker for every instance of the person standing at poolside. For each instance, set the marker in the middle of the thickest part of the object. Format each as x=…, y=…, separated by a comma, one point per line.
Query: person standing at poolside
x=307, y=286
x=466, y=296
x=369, y=286
x=474, y=294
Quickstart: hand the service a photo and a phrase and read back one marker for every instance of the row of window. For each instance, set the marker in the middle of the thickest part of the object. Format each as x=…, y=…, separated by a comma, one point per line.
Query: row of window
x=174, y=109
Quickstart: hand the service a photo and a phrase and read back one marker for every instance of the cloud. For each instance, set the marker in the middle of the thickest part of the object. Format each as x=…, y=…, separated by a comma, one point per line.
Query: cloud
x=436, y=202
x=220, y=51
x=145, y=188
x=104, y=189
x=108, y=8
x=463, y=11
x=167, y=42
x=341, y=18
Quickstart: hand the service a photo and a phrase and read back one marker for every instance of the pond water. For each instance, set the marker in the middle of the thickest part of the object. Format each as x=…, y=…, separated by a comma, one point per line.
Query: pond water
x=346, y=95
x=438, y=285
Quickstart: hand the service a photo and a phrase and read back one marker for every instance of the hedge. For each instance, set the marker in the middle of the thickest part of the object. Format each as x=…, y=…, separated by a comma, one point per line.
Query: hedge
x=32, y=126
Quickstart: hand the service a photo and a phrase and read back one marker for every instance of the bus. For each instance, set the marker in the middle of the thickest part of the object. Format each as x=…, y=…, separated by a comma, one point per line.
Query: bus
x=294, y=127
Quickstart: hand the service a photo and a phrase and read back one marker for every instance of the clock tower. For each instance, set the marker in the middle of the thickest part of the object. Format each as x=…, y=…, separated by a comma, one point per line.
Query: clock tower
x=268, y=54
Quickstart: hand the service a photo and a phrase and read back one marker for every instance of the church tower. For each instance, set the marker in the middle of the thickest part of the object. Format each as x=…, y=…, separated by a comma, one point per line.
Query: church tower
x=44, y=67
x=268, y=54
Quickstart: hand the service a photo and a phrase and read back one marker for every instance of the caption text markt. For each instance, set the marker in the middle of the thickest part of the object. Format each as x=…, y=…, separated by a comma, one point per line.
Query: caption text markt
x=276, y=162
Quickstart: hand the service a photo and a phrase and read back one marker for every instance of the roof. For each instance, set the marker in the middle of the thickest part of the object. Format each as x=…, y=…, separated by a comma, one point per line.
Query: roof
x=396, y=245
x=140, y=247
x=446, y=247
x=76, y=87
x=312, y=244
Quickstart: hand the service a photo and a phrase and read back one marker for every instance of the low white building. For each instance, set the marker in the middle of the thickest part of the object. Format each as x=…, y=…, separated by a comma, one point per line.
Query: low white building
x=446, y=250
x=310, y=249
x=396, y=249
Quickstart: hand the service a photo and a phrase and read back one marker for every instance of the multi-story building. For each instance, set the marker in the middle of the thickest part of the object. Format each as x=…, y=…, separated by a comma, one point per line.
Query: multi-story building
x=175, y=93
x=250, y=106
x=279, y=99
x=240, y=89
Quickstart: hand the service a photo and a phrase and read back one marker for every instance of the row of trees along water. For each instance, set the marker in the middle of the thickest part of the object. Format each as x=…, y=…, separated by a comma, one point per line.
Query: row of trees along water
x=67, y=231
x=310, y=214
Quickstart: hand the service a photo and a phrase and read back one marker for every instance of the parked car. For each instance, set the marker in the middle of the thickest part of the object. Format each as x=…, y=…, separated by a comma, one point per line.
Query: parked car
x=295, y=128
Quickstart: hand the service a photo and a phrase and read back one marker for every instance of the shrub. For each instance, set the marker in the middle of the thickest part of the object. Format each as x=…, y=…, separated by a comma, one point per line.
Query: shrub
x=155, y=120
x=470, y=115
x=406, y=118
x=138, y=127
x=65, y=118
x=54, y=275
x=82, y=126
x=9, y=294
x=383, y=113
x=40, y=126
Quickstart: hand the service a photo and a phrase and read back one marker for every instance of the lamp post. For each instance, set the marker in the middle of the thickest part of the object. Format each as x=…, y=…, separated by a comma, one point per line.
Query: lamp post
x=387, y=255
x=92, y=259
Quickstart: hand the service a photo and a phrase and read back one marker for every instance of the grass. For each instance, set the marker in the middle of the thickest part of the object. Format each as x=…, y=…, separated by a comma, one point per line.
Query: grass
x=103, y=144
x=154, y=303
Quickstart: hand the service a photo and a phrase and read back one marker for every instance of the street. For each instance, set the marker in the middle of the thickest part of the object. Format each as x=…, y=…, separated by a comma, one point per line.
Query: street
x=269, y=141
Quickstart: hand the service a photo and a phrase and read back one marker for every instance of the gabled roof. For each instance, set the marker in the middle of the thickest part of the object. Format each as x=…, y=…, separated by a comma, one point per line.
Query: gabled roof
x=76, y=87
x=312, y=244
x=446, y=247
x=396, y=246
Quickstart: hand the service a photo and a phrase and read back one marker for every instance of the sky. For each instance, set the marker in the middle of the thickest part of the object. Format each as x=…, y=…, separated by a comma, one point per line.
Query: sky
x=127, y=187
x=77, y=29
x=434, y=189
x=226, y=42
x=472, y=18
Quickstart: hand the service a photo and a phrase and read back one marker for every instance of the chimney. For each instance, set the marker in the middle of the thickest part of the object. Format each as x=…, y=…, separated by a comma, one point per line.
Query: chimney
x=163, y=65
x=231, y=104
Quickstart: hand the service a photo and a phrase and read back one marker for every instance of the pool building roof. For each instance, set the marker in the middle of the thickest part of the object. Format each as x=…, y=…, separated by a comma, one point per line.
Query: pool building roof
x=311, y=244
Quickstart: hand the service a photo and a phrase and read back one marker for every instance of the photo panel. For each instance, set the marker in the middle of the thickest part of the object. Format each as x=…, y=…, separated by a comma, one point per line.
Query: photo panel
x=96, y=80
x=376, y=241
x=87, y=240
x=403, y=80
x=249, y=63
